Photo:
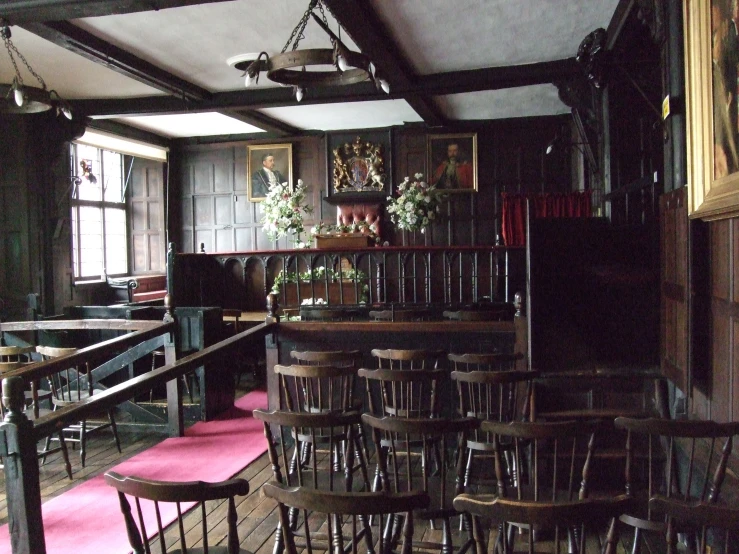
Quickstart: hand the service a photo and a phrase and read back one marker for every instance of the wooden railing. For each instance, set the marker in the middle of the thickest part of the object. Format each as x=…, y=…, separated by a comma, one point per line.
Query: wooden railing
x=387, y=275
x=19, y=435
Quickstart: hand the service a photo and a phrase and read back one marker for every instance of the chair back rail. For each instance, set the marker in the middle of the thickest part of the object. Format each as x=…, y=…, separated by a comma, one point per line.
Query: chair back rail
x=586, y=516
x=700, y=516
x=160, y=491
x=403, y=392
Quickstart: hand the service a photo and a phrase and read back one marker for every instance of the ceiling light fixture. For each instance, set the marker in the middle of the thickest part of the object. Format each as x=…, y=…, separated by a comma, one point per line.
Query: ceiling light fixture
x=21, y=98
x=290, y=68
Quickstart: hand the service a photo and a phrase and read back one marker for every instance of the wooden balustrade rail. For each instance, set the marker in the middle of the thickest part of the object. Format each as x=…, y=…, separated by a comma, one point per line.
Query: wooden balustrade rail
x=141, y=331
x=382, y=275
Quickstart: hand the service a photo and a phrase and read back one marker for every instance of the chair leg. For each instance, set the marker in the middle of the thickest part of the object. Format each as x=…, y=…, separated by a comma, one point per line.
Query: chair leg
x=83, y=441
x=47, y=444
x=65, y=454
x=114, y=428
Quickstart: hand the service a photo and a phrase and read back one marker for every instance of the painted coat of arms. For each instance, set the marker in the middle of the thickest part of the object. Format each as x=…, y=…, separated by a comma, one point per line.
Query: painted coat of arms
x=359, y=167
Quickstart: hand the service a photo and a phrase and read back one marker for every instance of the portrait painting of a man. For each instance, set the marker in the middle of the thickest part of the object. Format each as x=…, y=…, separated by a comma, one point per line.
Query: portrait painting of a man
x=268, y=164
x=453, y=161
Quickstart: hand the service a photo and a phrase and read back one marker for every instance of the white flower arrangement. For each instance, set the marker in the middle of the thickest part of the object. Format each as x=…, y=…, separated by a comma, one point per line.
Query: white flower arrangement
x=416, y=206
x=284, y=211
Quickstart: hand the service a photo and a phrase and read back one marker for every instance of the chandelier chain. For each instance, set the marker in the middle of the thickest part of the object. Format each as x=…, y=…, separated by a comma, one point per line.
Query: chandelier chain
x=299, y=31
x=12, y=49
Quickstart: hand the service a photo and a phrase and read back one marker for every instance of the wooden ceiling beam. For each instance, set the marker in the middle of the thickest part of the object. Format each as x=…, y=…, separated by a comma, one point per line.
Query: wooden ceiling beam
x=495, y=78
x=18, y=12
x=361, y=22
x=87, y=45
x=454, y=82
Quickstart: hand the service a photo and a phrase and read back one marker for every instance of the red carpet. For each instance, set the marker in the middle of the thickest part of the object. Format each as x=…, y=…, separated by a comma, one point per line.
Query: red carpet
x=87, y=519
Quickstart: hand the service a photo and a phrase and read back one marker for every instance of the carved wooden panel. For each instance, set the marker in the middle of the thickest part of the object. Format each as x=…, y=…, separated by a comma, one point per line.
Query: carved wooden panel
x=147, y=216
x=675, y=288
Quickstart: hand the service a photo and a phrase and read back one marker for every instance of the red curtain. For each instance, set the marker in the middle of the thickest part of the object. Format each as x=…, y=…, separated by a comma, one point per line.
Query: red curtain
x=571, y=204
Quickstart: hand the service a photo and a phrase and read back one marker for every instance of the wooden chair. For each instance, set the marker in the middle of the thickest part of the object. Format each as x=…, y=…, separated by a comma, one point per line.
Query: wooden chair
x=404, y=392
x=405, y=447
x=588, y=516
x=196, y=492
x=484, y=362
x=408, y=359
x=34, y=411
x=663, y=459
x=708, y=518
x=319, y=389
x=69, y=387
x=327, y=472
x=499, y=396
x=557, y=462
x=349, y=510
x=22, y=354
x=401, y=314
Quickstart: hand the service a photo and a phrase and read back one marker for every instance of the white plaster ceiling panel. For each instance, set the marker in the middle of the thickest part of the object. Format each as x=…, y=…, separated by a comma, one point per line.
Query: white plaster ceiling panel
x=190, y=125
x=350, y=115
x=439, y=35
x=194, y=42
x=71, y=75
x=527, y=101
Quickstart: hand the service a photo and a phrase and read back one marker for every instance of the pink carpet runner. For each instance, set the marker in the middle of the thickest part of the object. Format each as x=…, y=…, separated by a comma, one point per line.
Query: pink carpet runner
x=87, y=519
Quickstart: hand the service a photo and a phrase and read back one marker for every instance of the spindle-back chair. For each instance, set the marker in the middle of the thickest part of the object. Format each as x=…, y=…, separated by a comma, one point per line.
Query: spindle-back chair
x=197, y=492
x=405, y=447
x=281, y=428
x=717, y=525
x=682, y=459
x=68, y=387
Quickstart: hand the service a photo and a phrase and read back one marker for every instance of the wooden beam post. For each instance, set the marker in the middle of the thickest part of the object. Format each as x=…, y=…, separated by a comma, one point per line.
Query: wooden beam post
x=23, y=489
x=175, y=411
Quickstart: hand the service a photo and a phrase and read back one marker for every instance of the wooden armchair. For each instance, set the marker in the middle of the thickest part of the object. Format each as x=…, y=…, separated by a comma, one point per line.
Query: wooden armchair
x=723, y=521
x=333, y=471
x=159, y=492
x=681, y=460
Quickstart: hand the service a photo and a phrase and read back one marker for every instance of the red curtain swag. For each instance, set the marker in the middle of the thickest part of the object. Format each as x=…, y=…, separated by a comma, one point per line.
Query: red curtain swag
x=571, y=204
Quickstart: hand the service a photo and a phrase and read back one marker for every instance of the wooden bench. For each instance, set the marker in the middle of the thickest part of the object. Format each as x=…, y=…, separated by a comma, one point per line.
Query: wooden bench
x=143, y=288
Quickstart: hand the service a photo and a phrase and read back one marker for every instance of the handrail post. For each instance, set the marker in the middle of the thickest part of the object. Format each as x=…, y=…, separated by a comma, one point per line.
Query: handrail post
x=175, y=412
x=521, y=326
x=22, y=486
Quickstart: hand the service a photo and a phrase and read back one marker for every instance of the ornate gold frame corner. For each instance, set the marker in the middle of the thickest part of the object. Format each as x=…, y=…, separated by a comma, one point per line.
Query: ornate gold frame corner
x=708, y=198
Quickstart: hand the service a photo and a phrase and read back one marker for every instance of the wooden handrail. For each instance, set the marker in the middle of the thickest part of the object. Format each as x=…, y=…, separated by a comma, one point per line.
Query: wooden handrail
x=88, y=324
x=104, y=400
x=148, y=329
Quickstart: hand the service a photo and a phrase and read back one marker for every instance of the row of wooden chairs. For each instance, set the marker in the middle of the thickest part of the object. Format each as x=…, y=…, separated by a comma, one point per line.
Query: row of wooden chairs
x=497, y=313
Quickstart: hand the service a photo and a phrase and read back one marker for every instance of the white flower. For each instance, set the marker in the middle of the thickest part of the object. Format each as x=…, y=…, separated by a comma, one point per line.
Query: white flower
x=409, y=206
x=418, y=176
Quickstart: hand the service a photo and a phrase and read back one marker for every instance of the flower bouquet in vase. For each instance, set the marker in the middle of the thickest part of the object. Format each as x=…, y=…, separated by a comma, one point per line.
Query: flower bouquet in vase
x=283, y=211
x=417, y=205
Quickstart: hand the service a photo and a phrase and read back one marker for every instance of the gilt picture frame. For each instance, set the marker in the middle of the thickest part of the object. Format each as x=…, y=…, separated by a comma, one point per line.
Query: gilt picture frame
x=452, y=162
x=712, y=110
x=258, y=161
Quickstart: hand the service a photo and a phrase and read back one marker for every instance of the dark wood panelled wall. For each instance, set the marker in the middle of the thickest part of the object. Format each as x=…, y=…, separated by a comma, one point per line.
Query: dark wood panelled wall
x=210, y=183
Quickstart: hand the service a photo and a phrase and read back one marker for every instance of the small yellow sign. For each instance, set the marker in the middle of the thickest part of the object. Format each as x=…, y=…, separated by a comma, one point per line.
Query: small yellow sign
x=665, y=107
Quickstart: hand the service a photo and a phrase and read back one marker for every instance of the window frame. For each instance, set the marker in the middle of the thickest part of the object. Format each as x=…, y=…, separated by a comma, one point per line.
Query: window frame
x=103, y=205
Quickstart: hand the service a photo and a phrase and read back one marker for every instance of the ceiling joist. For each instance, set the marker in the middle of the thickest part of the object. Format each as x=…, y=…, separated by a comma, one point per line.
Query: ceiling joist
x=87, y=45
x=18, y=12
